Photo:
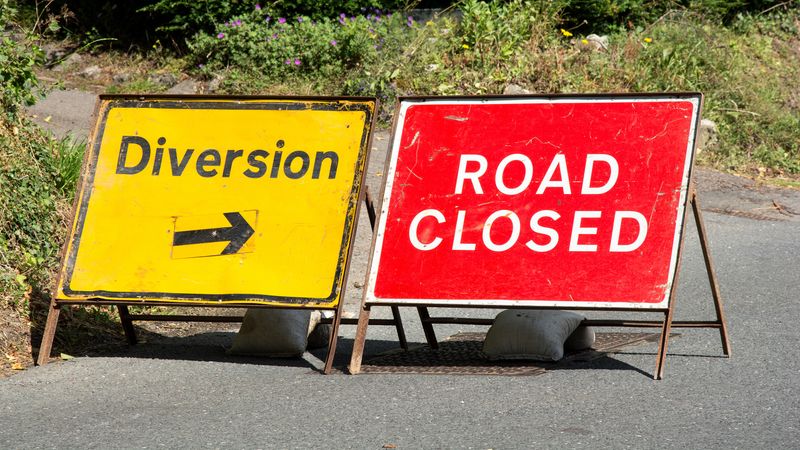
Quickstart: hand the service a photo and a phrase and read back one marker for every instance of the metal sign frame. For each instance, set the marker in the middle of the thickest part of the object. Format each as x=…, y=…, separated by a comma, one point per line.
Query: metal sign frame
x=367, y=105
x=666, y=307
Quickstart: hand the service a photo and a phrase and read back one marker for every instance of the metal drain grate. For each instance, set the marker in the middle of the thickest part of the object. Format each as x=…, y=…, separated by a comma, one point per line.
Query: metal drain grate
x=461, y=354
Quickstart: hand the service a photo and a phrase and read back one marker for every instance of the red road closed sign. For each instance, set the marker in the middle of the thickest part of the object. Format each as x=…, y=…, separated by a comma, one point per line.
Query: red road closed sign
x=552, y=201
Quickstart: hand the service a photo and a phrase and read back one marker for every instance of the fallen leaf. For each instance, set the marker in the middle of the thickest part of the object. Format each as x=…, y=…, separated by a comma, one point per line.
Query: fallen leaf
x=389, y=446
x=66, y=357
x=48, y=118
x=17, y=366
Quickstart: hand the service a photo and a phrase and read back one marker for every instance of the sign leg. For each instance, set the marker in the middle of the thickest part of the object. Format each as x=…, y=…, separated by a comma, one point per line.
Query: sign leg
x=358, y=343
x=666, y=328
x=427, y=327
x=663, y=344
x=127, y=324
x=337, y=319
x=398, y=323
x=49, y=334
x=712, y=276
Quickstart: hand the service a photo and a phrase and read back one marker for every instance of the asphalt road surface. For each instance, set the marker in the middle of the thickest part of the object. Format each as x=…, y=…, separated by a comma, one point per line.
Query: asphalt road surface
x=179, y=392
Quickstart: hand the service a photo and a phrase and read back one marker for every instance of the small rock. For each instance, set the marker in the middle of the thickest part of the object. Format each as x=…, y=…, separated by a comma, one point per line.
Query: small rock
x=71, y=61
x=707, y=136
x=164, y=79
x=597, y=42
x=358, y=284
x=515, y=89
x=213, y=85
x=15, y=36
x=53, y=53
x=184, y=87
x=121, y=77
x=91, y=72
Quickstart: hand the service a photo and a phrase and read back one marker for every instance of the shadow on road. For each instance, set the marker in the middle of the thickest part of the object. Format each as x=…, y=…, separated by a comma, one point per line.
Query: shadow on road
x=213, y=347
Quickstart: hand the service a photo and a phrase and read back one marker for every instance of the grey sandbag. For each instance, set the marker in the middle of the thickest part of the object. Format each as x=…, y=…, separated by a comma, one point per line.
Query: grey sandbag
x=274, y=332
x=530, y=334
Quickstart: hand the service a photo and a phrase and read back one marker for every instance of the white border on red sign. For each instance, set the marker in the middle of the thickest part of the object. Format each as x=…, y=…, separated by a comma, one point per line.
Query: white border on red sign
x=371, y=299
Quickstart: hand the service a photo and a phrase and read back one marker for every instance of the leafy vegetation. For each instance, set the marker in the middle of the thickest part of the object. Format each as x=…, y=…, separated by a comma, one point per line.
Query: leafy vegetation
x=744, y=68
x=17, y=62
x=38, y=175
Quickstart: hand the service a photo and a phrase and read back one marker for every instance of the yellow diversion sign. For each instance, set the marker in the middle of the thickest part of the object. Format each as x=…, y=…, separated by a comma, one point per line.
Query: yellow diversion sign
x=208, y=200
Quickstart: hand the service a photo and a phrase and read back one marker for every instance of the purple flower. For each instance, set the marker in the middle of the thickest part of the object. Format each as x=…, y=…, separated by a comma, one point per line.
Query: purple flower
x=281, y=20
x=201, y=66
x=410, y=21
x=258, y=7
x=288, y=62
x=299, y=20
x=333, y=42
x=238, y=23
x=267, y=19
x=221, y=35
x=275, y=36
x=297, y=62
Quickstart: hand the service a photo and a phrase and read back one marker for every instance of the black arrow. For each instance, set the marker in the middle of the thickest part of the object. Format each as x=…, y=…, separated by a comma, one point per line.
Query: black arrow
x=238, y=233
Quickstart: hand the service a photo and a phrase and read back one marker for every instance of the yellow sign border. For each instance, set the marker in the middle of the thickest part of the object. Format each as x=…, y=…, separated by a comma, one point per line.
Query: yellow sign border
x=106, y=103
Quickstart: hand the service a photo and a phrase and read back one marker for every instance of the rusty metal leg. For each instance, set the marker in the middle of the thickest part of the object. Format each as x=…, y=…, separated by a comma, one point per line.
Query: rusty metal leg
x=712, y=277
x=358, y=343
x=337, y=319
x=666, y=328
x=127, y=324
x=49, y=333
x=427, y=327
x=398, y=323
x=663, y=344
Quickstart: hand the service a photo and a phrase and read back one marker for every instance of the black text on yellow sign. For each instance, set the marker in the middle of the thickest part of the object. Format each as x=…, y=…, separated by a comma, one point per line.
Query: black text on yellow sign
x=245, y=201
x=211, y=162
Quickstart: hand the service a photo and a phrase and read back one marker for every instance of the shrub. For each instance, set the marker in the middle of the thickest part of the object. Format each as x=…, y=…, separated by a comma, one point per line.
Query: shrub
x=18, y=80
x=36, y=188
x=185, y=18
x=604, y=16
x=746, y=74
x=279, y=48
